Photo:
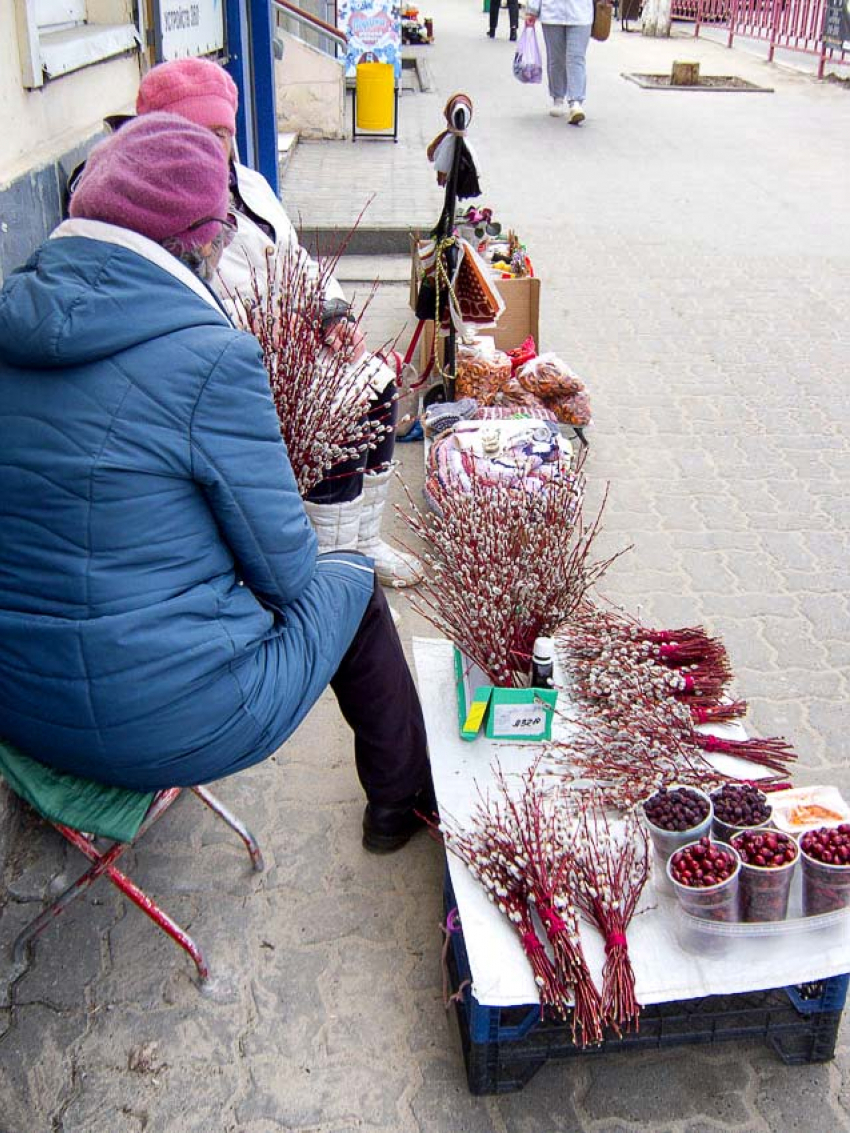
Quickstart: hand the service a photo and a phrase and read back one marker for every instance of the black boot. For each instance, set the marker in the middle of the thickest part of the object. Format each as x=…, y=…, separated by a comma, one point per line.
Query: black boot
x=513, y=35
x=388, y=828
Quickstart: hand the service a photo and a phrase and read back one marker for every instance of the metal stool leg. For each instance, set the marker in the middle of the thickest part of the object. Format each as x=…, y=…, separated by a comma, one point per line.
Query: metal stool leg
x=70, y=895
x=160, y=918
x=103, y=866
x=217, y=807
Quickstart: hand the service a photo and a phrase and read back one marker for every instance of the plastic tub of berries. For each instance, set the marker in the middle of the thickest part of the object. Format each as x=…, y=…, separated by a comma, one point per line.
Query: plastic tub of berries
x=704, y=876
x=674, y=816
x=738, y=806
x=825, y=854
x=768, y=860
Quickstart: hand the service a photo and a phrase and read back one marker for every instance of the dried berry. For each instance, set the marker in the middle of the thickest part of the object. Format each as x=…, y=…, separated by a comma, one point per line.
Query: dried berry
x=825, y=887
x=739, y=804
x=678, y=809
x=702, y=864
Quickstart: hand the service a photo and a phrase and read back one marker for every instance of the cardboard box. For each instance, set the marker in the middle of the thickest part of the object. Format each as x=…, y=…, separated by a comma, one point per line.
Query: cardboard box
x=520, y=318
x=522, y=715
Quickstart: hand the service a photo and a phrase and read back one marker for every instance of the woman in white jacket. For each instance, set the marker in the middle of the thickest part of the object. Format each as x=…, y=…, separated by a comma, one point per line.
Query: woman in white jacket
x=346, y=509
x=566, y=33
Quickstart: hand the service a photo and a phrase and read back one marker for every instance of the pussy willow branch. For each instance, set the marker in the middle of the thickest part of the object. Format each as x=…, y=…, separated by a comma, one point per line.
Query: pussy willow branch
x=504, y=565
x=321, y=395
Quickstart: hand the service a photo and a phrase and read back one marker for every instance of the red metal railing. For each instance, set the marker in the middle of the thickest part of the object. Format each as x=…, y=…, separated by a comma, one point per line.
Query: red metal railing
x=793, y=25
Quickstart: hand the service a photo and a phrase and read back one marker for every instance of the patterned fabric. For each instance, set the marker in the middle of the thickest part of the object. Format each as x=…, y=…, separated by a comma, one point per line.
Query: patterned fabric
x=524, y=451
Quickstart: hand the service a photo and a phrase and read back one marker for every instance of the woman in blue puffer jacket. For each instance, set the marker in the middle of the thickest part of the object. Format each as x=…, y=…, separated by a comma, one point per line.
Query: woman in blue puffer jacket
x=164, y=617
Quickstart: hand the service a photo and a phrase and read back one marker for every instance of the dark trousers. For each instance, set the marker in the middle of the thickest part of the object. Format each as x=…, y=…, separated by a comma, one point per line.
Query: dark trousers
x=377, y=697
x=513, y=12
x=344, y=482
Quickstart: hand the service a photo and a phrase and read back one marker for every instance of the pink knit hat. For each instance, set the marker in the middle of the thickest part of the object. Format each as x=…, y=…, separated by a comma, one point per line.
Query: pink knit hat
x=158, y=175
x=197, y=89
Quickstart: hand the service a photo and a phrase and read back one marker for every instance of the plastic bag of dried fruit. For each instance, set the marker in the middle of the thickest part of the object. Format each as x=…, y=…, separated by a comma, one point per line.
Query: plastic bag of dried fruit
x=481, y=373
x=548, y=376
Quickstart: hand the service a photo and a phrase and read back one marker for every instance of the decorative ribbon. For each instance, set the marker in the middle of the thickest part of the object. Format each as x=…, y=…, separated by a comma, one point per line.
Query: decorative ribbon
x=448, y=930
x=615, y=940
x=552, y=920
x=531, y=943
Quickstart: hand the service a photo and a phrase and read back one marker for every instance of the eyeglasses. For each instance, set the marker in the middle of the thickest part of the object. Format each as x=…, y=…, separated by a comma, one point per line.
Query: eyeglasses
x=229, y=226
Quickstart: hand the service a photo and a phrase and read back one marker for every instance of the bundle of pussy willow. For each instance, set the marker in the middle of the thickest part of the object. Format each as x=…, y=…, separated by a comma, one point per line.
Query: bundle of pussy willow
x=546, y=859
x=321, y=393
x=504, y=564
x=639, y=698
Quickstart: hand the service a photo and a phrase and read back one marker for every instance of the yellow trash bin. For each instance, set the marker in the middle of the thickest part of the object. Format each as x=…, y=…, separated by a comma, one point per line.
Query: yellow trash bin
x=375, y=91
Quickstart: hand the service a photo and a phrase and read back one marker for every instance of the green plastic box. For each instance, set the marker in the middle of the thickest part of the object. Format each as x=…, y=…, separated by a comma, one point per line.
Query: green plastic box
x=522, y=715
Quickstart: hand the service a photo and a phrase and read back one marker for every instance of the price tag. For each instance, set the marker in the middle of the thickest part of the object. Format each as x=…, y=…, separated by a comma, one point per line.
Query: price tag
x=518, y=719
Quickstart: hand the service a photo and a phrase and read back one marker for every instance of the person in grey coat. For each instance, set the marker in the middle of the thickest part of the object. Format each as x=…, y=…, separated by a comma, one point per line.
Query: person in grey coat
x=566, y=33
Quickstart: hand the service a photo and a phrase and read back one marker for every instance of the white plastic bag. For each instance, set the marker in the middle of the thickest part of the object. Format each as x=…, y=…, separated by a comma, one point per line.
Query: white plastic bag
x=528, y=67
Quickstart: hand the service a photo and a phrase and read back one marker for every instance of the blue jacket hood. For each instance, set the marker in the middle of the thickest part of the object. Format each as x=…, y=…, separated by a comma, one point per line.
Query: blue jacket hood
x=78, y=300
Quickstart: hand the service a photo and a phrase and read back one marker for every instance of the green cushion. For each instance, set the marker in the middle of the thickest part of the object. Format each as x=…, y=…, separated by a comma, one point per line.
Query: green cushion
x=112, y=812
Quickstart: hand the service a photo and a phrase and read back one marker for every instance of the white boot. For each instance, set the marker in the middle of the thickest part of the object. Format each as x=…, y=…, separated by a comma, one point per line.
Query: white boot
x=393, y=568
x=336, y=525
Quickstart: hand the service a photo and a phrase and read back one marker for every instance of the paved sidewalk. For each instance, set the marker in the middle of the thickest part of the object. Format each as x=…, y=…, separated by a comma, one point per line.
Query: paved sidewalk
x=695, y=255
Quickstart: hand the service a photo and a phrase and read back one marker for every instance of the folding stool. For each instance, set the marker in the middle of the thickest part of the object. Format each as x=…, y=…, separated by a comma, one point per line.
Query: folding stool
x=115, y=813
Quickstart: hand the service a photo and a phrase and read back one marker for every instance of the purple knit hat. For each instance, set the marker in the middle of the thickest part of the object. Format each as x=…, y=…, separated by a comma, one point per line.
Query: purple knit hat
x=157, y=176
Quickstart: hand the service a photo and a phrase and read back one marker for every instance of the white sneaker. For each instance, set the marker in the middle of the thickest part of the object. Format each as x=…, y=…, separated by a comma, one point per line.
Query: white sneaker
x=576, y=114
x=557, y=109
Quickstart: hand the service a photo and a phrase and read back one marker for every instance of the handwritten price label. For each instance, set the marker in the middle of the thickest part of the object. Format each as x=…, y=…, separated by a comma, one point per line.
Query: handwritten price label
x=518, y=719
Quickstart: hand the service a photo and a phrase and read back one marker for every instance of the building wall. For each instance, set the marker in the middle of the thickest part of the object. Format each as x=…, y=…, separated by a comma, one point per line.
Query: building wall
x=40, y=125
x=309, y=91
x=45, y=133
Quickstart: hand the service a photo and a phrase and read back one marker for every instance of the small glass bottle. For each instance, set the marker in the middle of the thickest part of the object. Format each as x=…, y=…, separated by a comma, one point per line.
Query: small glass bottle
x=543, y=663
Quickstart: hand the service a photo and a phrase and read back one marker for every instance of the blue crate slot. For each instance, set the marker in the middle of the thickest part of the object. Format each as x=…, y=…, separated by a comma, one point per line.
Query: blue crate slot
x=825, y=995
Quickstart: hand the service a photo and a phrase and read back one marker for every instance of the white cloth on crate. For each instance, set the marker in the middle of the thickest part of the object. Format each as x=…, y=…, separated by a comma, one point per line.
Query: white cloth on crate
x=249, y=254
x=464, y=773
x=561, y=11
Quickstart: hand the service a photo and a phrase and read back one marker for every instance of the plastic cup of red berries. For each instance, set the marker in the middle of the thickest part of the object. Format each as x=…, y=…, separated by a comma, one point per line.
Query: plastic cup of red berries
x=704, y=876
x=825, y=856
x=768, y=860
x=674, y=817
x=736, y=807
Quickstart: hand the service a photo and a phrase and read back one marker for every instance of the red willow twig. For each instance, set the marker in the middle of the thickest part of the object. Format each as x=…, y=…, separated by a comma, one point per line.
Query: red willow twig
x=606, y=883
x=321, y=395
x=503, y=565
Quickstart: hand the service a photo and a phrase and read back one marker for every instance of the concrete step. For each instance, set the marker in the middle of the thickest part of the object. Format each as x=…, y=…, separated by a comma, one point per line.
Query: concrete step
x=365, y=269
x=377, y=240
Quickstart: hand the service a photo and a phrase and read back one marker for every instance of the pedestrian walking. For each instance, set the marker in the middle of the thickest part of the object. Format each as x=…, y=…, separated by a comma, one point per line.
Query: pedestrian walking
x=566, y=33
x=513, y=13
